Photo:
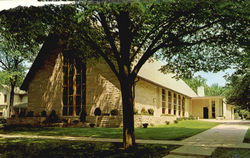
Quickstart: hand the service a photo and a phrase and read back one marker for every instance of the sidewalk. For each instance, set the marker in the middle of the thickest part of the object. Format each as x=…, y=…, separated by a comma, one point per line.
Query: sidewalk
x=204, y=144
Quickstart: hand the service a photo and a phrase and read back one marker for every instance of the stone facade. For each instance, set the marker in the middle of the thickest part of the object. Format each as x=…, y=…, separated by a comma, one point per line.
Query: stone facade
x=45, y=89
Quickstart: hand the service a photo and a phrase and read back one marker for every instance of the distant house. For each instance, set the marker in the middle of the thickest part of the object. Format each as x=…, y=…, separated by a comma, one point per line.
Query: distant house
x=58, y=81
x=20, y=100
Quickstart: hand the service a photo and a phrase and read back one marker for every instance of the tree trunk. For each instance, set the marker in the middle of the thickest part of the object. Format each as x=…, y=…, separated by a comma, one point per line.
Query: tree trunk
x=12, y=88
x=128, y=114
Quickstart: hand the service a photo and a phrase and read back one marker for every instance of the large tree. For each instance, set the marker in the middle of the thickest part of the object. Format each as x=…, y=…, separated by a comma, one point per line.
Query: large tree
x=13, y=57
x=188, y=35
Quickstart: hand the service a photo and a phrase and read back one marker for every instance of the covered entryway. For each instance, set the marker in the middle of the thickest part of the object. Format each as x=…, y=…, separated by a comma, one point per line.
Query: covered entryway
x=205, y=113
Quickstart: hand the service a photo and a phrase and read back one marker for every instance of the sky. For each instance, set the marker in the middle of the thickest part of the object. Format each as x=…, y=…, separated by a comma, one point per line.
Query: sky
x=210, y=77
x=213, y=78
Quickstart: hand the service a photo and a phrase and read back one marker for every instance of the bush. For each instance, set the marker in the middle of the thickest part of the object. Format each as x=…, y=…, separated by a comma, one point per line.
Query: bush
x=21, y=114
x=175, y=121
x=97, y=112
x=30, y=114
x=92, y=125
x=191, y=117
x=151, y=111
x=52, y=118
x=43, y=113
x=167, y=122
x=114, y=112
x=76, y=122
x=143, y=111
x=135, y=111
x=83, y=116
x=145, y=125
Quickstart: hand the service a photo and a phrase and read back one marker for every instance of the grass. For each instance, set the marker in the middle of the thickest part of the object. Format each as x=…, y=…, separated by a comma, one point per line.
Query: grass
x=178, y=131
x=42, y=148
x=247, y=136
x=231, y=152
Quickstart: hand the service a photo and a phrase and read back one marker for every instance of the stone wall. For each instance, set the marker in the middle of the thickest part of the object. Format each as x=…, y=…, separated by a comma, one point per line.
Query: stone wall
x=116, y=121
x=31, y=121
x=45, y=89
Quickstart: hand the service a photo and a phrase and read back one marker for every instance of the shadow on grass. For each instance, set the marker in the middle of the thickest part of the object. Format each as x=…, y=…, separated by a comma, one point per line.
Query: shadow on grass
x=42, y=148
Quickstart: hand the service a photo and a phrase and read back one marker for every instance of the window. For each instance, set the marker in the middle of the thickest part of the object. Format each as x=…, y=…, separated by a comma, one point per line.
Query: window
x=175, y=102
x=5, y=98
x=74, y=88
x=183, y=106
x=213, y=109
x=163, y=103
x=179, y=105
x=169, y=102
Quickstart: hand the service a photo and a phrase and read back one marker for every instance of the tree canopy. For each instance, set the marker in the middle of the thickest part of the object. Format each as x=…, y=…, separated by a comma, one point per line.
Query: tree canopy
x=188, y=36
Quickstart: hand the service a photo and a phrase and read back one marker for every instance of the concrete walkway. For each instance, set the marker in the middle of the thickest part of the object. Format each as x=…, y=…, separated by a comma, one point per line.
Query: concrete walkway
x=204, y=144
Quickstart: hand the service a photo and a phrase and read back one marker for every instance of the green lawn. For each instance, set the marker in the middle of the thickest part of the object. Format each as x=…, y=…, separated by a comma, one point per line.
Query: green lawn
x=43, y=148
x=231, y=152
x=247, y=136
x=178, y=131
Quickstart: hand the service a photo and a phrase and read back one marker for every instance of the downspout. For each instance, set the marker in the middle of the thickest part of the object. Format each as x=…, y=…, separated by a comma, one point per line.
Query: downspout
x=134, y=91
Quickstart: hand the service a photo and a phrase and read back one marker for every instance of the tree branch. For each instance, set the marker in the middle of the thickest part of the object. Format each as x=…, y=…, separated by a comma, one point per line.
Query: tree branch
x=99, y=51
x=109, y=37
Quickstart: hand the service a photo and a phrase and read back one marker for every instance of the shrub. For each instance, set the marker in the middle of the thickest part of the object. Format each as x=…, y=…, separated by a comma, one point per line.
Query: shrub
x=30, y=114
x=76, y=122
x=135, y=111
x=52, y=118
x=145, y=125
x=114, y=112
x=175, y=121
x=167, y=122
x=92, y=125
x=143, y=111
x=191, y=117
x=97, y=112
x=151, y=111
x=43, y=113
x=83, y=116
x=106, y=114
x=21, y=114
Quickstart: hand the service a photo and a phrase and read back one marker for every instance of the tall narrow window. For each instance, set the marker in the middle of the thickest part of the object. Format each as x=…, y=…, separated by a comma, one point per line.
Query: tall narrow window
x=5, y=98
x=179, y=105
x=169, y=102
x=213, y=109
x=175, y=102
x=183, y=106
x=163, y=96
x=74, y=95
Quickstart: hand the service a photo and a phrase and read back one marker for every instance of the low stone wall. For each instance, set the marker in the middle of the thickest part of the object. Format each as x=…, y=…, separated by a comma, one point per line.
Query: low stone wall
x=105, y=121
x=31, y=121
x=116, y=121
x=152, y=120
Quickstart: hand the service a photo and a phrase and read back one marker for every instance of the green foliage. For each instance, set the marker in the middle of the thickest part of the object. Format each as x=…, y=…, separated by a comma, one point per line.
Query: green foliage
x=196, y=82
x=151, y=111
x=238, y=90
x=213, y=90
x=230, y=152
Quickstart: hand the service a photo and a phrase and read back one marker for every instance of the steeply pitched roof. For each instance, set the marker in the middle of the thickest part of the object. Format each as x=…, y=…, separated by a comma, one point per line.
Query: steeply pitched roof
x=150, y=72
x=50, y=44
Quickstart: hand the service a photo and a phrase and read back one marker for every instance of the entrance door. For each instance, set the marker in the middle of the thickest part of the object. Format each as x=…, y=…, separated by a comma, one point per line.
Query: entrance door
x=205, y=113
